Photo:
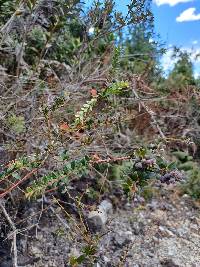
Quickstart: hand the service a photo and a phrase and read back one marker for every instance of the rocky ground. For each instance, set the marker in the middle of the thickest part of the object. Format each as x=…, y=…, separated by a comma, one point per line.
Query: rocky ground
x=163, y=232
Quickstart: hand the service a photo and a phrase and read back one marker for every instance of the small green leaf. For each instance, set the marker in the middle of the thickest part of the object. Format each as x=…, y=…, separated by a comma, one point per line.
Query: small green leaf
x=16, y=175
x=73, y=164
x=172, y=166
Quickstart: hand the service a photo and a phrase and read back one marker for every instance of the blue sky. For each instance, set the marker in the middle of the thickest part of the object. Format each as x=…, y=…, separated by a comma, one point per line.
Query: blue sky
x=178, y=23
x=174, y=28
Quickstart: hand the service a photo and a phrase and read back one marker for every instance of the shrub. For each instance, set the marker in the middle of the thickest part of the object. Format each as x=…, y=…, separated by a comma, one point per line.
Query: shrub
x=192, y=184
x=16, y=124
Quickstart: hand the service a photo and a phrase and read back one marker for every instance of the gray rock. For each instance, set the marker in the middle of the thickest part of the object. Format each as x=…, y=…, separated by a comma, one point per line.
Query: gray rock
x=182, y=231
x=97, y=219
x=165, y=232
x=62, y=70
x=6, y=263
x=153, y=205
x=138, y=228
x=106, y=206
x=168, y=263
x=106, y=259
x=123, y=238
x=36, y=251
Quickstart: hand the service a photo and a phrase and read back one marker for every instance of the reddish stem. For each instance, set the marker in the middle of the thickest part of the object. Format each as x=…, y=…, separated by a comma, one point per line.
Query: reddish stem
x=8, y=190
x=109, y=160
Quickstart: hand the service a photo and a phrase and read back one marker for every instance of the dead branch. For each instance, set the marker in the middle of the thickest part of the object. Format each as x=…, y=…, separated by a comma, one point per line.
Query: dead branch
x=12, y=225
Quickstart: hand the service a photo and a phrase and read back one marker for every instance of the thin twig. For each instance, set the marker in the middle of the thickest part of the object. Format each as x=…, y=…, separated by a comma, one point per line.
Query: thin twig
x=14, y=232
x=148, y=110
x=17, y=184
x=110, y=160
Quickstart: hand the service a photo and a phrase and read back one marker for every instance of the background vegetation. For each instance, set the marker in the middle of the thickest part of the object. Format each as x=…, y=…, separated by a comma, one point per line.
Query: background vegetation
x=84, y=99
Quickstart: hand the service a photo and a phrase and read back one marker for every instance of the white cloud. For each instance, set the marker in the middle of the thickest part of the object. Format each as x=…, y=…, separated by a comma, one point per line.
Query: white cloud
x=195, y=58
x=188, y=15
x=194, y=54
x=170, y=2
x=195, y=42
x=168, y=61
x=91, y=30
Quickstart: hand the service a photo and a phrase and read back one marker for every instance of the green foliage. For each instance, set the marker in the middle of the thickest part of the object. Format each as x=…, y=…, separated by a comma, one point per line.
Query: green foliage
x=15, y=167
x=66, y=41
x=138, y=176
x=16, y=123
x=88, y=253
x=186, y=166
x=36, y=41
x=141, y=51
x=182, y=74
x=117, y=88
x=182, y=156
x=58, y=177
x=192, y=183
x=92, y=193
x=116, y=59
x=7, y=8
x=185, y=161
x=116, y=171
x=62, y=142
x=148, y=192
x=144, y=167
x=82, y=114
